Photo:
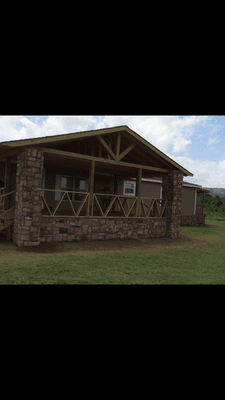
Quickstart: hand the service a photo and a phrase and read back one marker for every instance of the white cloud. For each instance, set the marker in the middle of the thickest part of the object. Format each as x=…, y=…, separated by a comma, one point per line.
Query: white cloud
x=211, y=141
x=8, y=127
x=171, y=135
x=55, y=125
x=162, y=132
x=206, y=173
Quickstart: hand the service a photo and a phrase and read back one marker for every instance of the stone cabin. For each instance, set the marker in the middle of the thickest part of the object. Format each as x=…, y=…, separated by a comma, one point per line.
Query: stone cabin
x=93, y=185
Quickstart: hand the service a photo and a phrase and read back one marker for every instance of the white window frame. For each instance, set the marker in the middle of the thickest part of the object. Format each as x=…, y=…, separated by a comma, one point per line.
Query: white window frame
x=59, y=182
x=124, y=187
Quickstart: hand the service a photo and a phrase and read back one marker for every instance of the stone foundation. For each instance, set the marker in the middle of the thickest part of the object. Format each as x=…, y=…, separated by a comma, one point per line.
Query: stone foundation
x=88, y=229
x=193, y=220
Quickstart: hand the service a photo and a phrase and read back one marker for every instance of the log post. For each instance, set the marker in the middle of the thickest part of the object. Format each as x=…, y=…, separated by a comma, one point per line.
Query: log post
x=138, y=192
x=115, y=191
x=7, y=181
x=91, y=187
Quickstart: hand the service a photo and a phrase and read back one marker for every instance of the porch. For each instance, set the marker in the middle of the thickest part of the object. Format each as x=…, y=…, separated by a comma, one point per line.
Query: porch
x=200, y=208
x=102, y=205
x=101, y=208
x=41, y=218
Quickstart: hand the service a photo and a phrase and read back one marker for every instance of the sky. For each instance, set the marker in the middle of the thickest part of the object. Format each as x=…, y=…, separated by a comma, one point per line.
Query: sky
x=197, y=143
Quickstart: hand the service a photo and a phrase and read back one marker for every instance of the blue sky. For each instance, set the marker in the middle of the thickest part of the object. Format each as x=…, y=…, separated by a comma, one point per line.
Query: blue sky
x=195, y=142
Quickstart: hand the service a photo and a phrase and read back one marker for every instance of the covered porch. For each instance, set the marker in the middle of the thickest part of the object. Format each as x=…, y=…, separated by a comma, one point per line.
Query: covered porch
x=47, y=209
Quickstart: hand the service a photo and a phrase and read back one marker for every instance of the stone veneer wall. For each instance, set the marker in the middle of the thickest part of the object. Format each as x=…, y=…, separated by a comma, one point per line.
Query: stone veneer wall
x=193, y=220
x=78, y=229
x=28, y=202
x=172, y=184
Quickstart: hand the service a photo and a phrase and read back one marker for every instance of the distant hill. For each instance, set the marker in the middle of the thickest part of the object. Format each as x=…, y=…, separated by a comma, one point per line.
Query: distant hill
x=216, y=192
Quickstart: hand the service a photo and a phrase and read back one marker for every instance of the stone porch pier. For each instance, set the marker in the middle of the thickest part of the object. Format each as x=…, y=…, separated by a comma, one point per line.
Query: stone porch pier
x=172, y=184
x=28, y=202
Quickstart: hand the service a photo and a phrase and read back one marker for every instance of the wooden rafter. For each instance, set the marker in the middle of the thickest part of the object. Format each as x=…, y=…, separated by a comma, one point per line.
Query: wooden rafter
x=69, y=138
x=154, y=154
x=68, y=154
x=117, y=156
x=126, y=151
x=102, y=141
x=118, y=140
x=134, y=157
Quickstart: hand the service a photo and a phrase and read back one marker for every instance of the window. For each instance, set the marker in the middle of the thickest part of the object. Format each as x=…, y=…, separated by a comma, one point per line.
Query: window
x=70, y=183
x=129, y=188
x=80, y=187
x=67, y=184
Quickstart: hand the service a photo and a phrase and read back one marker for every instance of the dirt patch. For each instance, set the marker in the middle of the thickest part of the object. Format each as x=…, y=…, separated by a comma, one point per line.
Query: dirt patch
x=10, y=251
x=211, y=226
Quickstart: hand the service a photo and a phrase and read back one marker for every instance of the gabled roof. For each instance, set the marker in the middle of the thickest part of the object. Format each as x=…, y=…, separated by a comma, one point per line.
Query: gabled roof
x=9, y=148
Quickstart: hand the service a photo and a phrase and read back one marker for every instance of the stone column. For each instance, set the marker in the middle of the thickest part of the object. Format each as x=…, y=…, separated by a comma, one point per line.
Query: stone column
x=172, y=184
x=28, y=200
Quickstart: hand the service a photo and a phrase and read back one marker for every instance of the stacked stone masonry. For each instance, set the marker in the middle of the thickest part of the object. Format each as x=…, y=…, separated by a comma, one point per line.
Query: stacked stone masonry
x=172, y=191
x=28, y=202
x=88, y=229
x=193, y=220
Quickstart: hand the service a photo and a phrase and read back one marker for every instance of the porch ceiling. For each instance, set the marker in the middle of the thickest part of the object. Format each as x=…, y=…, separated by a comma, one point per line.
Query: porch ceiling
x=55, y=160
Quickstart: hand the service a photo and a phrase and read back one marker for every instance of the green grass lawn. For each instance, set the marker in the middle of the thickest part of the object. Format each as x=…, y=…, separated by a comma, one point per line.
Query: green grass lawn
x=204, y=264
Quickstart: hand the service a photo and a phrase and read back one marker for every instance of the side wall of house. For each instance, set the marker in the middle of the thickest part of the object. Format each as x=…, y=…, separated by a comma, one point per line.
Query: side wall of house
x=188, y=201
x=147, y=190
x=151, y=189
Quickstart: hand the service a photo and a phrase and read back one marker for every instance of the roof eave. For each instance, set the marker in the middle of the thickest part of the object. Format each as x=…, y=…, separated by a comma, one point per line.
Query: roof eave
x=65, y=137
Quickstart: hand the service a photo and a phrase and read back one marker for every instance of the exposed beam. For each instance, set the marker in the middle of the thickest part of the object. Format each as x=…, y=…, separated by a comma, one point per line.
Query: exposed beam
x=100, y=150
x=92, y=149
x=155, y=153
x=118, y=141
x=110, y=146
x=58, y=139
x=145, y=159
x=138, y=192
x=126, y=151
x=67, y=154
x=106, y=147
x=91, y=186
x=61, y=139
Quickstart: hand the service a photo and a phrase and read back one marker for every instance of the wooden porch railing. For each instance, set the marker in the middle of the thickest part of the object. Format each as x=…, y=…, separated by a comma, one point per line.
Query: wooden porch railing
x=150, y=213
x=200, y=208
x=2, y=202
